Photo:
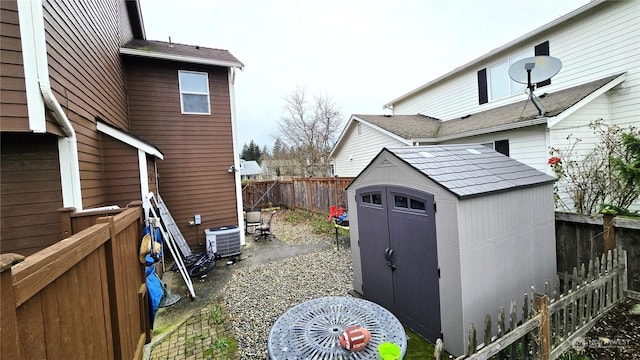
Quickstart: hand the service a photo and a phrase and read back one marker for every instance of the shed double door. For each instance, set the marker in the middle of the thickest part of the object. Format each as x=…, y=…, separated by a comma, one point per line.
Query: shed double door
x=397, y=233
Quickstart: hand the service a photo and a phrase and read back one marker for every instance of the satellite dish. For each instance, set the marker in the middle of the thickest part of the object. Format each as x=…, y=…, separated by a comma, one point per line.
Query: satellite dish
x=534, y=69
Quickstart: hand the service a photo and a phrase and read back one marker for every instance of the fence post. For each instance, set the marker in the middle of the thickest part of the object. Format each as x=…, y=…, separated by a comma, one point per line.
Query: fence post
x=542, y=307
x=9, y=340
x=438, y=350
x=65, y=222
x=608, y=232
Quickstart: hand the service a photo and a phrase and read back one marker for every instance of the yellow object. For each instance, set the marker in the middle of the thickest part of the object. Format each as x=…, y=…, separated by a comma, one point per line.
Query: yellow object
x=389, y=351
x=145, y=248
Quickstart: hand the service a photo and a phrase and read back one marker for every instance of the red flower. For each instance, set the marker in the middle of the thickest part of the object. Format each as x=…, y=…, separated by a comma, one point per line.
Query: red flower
x=554, y=160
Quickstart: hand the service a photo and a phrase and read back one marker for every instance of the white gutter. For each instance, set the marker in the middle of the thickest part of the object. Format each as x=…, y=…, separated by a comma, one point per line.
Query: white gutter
x=181, y=58
x=236, y=157
x=37, y=68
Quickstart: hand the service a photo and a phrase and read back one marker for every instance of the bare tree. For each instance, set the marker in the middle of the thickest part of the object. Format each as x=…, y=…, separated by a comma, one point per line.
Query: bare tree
x=309, y=127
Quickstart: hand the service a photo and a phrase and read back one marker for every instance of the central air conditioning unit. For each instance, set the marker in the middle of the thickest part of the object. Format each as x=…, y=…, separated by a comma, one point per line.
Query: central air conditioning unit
x=224, y=240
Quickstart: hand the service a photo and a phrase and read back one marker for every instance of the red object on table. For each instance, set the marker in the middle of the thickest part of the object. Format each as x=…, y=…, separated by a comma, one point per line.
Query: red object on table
x=355, y=338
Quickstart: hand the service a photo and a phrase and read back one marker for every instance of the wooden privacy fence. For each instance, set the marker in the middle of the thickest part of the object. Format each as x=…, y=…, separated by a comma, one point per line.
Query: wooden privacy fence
x=83, y=297
x=311, y=194
x=548, y=329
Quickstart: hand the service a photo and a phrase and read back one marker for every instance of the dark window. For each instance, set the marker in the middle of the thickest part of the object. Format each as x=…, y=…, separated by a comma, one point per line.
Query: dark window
x=417, y=205
x=376, y=199
x=483, y=95
x=502, y=146
x=539, y=50
x=401, y=201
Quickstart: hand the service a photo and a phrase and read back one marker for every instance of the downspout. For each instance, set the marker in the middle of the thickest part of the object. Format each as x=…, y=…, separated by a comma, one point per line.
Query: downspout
x=31, y=13
x=236, y=156
x=68, y=148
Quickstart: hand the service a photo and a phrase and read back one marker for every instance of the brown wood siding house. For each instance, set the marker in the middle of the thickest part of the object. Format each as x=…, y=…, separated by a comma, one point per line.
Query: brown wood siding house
x=82, y=137
x=200, y=145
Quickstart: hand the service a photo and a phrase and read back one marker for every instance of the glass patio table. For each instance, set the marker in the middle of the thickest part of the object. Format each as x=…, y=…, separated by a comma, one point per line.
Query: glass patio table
x=310, y=330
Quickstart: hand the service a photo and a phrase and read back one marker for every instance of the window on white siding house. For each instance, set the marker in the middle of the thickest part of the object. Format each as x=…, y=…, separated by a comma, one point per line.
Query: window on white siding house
x=501, y=146
x=494, y=82
x=194, y=92
x=500, y=84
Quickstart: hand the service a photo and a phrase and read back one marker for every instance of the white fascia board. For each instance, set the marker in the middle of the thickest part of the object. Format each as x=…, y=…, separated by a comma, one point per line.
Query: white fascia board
x=128, y=139
x=521, y=39
x=30, y=38
x=180, y=58
x=553, y=121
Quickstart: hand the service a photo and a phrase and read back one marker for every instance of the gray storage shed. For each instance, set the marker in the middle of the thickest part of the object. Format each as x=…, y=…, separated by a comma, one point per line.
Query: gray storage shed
x=442, y=235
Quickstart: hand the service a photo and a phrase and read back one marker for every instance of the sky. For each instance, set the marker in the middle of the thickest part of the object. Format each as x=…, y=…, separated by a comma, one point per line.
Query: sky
x=361, y=53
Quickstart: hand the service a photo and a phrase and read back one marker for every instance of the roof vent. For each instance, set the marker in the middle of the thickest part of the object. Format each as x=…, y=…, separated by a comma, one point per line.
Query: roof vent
x=427, y=154
x=170, y=43
x=197, y=47
x=386, y=115
x=474, y=151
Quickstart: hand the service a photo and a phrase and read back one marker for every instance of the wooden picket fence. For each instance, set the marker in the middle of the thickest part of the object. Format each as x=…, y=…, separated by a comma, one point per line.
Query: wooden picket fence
x=312, y=194
x=551, y=321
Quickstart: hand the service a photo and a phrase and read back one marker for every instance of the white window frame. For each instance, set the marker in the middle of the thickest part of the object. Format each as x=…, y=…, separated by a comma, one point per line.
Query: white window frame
x=184, y=92
x=514, y=87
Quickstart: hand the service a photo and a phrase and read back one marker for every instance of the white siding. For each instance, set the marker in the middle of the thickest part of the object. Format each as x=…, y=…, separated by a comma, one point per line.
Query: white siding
x=594, y=45
x=526, y=145
x=358, y=149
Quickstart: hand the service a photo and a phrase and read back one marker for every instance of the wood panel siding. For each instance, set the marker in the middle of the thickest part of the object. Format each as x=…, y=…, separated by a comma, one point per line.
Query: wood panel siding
x=30, y=192
x=88, y=79
x=121, y=172
x=198, y=149
x=13, y=96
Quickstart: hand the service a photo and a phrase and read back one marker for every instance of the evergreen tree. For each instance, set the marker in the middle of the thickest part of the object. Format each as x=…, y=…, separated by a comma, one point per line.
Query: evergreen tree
x=251, y=152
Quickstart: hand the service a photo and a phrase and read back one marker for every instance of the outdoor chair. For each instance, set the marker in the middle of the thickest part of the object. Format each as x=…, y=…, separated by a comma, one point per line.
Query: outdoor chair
x=253, y=221
x=265, y=228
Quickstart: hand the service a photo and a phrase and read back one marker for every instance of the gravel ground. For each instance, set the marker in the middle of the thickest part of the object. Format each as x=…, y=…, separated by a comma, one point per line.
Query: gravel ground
x=257, y=296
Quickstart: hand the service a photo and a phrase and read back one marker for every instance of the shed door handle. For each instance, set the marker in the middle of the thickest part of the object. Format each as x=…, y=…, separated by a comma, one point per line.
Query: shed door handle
x=388, y=254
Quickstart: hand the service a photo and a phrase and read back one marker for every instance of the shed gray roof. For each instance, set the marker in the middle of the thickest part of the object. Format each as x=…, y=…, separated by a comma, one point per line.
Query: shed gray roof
x=421, y=127
x=469, y=170
x=180, y=52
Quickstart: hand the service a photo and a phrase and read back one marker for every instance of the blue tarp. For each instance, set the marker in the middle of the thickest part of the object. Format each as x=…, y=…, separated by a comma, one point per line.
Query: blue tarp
x=154, y=284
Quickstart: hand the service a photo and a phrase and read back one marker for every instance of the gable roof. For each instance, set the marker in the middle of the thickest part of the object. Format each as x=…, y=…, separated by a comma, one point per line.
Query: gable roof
x=468, y=170
x=180, y=52
x=559, y=21
x=511, y=116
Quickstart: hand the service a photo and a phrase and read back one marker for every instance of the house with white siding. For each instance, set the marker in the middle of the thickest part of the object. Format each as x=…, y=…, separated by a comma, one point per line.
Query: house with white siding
x=599, y=47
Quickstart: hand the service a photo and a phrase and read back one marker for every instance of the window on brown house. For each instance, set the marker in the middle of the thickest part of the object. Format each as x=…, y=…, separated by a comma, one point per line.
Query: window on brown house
x=194, y=92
